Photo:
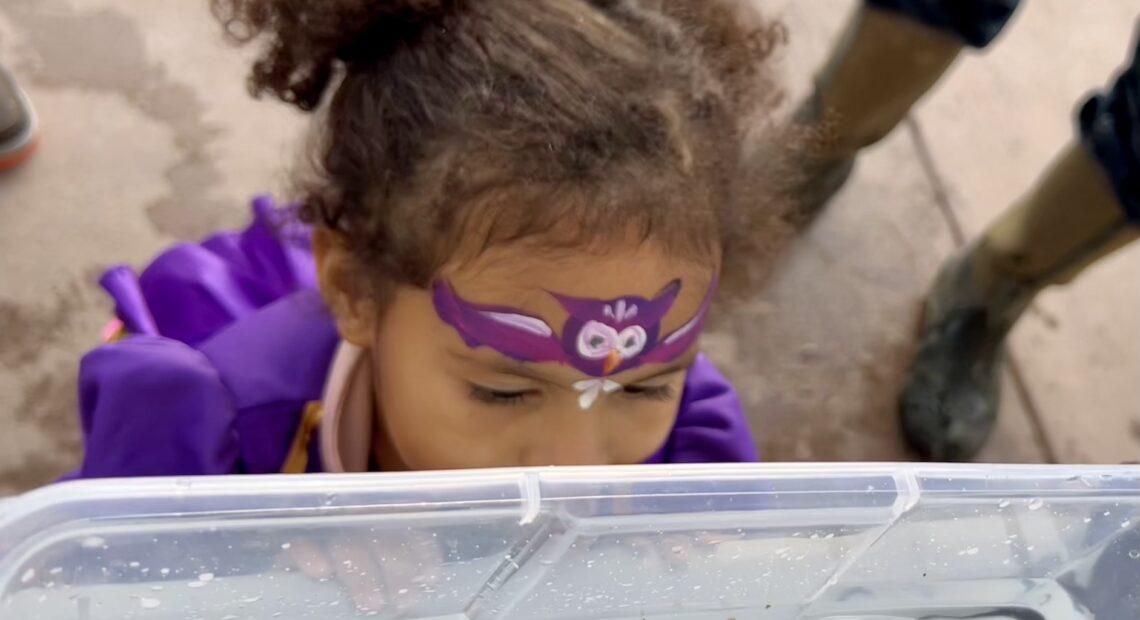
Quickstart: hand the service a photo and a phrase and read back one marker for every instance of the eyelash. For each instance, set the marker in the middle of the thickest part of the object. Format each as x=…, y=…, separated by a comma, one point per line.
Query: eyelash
x=657, y=392
x=498, y=397
x=511, y=399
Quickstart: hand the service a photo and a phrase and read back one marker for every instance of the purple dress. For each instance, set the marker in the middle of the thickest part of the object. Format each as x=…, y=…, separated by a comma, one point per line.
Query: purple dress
x=229, y=341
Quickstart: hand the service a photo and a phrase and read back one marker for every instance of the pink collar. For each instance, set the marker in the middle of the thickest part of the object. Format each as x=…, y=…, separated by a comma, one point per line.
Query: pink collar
x=346, y=424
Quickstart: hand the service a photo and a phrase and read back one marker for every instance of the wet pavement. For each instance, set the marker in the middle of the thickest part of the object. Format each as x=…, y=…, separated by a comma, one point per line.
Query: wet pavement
x=150, y=137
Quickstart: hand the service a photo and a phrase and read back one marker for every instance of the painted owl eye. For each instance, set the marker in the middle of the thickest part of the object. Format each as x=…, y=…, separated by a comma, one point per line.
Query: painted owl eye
x=631, y=341
x=597, y=340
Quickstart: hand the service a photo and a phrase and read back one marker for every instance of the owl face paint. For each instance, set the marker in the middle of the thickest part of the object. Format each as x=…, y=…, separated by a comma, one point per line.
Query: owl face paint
x=599, y=338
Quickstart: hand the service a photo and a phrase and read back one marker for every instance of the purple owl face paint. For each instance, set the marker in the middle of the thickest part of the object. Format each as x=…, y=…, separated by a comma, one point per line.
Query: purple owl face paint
x=599, y=338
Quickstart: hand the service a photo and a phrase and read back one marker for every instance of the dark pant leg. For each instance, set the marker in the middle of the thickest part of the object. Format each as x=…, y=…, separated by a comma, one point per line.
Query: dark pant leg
x=976, y=22
x=1110, y=128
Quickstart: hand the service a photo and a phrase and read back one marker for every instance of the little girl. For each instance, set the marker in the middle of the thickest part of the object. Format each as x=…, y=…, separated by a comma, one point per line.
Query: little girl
x=519, y=215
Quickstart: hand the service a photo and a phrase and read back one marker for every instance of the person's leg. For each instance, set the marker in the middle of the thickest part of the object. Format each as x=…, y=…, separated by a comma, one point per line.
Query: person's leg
x=890, y=54
x=1086, y=205
x=1106, y=581
x=17, y=123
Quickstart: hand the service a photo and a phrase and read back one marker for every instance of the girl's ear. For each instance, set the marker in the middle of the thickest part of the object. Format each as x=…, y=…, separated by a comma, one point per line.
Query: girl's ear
x=355, y=312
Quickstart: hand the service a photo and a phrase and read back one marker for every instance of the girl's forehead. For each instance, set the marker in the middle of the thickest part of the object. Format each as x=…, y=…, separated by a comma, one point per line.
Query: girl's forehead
x=525, y=278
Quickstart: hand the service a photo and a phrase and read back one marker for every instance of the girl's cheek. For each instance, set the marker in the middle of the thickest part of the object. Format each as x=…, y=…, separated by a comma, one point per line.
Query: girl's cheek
x=449, y=431
x=639, y=432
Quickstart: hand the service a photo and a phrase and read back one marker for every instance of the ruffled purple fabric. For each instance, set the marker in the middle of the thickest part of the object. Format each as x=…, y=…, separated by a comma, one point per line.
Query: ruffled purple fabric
x=227, y=341
x=194, y=289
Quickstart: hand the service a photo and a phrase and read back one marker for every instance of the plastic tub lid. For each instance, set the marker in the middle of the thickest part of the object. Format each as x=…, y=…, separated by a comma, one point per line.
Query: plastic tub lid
x=868, y=542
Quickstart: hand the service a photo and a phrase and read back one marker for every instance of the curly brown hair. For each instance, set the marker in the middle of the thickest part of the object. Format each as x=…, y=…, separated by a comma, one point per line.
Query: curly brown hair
x=462, y=124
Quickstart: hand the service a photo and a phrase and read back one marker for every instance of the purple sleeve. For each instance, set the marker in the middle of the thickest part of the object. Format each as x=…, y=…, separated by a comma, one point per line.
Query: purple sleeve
x=152, y=406
x=711, y=427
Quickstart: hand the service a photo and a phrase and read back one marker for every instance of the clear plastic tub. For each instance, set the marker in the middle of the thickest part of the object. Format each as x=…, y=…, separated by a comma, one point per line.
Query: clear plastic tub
x=773, y=542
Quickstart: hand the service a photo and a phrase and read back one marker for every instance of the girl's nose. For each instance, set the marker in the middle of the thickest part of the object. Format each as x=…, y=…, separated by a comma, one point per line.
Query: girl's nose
x=571, y=438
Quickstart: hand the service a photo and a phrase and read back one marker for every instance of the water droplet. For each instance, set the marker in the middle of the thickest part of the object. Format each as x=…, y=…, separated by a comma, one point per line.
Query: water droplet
x=164, y=571
x=28, y=575
x=206, y=577
x=196, y=584
x=677, y=549
x=149, y=603
x=969, y=551
x=286, y=545
x=1134, y=554
x=402, y=591
x=157, y=588
x=251, y=599
x=1003, y=503
x=135, y=564
x=1036, y=503
x=93, y=542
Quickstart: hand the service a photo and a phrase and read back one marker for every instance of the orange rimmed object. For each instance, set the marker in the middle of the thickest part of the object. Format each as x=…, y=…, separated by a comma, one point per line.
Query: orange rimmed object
x=19, y=132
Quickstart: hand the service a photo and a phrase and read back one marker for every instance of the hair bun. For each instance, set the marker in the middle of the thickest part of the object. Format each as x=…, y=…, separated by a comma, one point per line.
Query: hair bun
x=305, y=38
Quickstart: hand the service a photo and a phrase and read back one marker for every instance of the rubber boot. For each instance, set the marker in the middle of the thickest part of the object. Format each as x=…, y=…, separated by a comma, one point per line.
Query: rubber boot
x=881, y=65
x=1066, y=222
x=18, y=134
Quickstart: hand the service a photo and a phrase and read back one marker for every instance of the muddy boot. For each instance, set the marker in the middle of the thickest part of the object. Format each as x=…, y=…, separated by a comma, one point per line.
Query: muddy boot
x=17, y=123
x=882, y=65
x=1069, y=220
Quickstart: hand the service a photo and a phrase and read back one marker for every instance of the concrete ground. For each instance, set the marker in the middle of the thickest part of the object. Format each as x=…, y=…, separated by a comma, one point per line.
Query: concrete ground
x=149, y=137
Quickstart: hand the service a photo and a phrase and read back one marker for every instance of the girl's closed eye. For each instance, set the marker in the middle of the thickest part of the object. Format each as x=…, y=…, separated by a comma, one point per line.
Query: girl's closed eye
x=494, y=396
x=651, y=392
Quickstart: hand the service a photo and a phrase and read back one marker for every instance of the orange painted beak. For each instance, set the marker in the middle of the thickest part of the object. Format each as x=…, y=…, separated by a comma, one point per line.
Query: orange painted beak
x=613, y=361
